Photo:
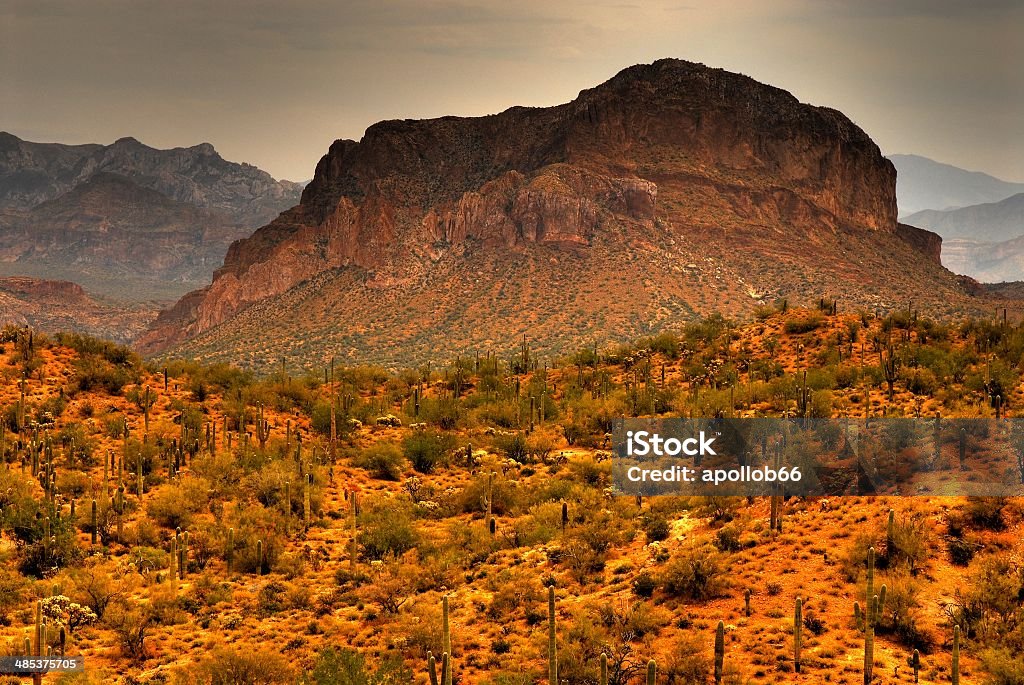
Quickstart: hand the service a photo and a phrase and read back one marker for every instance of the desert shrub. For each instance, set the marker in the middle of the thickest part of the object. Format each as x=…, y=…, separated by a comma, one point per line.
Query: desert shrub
x=644, y=584
x=428, y=449
x=804, y=324
x=909, y=545
x=961, y=550
x=442, y=412
x=386, y=527
x=854, y=560
x=383, y=459
x=41, y=559
x=93, y=373
x=1004, y=666
x=986, y=512
x=255, y=524
x=348, y=667
x=473, y=497
x=513, y=447
x=695, y=572
x=688, y=663
x=233, y=666
x=656, y=526
x=174, y=506
x=900, y=613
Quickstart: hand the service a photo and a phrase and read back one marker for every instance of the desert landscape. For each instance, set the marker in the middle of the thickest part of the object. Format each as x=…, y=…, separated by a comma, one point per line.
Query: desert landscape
x=366, y=427
x=199, y=524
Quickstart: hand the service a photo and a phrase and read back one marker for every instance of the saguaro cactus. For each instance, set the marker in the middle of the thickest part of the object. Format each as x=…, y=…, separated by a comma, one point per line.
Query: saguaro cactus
x=432, y=670
x=95, y=525
x=446, y=641
x=604, y=669
x=552, y=643
x=259, y=557
x=719, y=652
x=652, y=672
x=915, y=662
x=798, y=624
x=353, y=551
x=306, y=506
x=955, y=670
x=746, y=601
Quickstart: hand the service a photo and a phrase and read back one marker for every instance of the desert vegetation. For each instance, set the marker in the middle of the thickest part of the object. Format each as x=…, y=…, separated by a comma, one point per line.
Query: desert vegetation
x=179, y=523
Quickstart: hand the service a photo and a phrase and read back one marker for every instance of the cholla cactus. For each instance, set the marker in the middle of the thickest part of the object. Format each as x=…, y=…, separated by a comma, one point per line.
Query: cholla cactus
x=65, y=613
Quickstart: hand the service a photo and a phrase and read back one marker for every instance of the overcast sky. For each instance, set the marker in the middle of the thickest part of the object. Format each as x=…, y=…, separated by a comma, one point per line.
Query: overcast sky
x=274, y=82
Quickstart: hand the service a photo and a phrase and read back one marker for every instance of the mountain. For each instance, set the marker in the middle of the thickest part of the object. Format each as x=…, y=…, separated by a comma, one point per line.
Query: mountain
x=982, y=241
x=50, y=305
x=32, y=173
x=127, y=220
x=922, y=183
x=671, y=190
x=991, y=222
x=111, y=234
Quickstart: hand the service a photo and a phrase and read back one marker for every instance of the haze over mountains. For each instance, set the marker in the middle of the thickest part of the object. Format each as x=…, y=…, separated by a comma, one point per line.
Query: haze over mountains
x=923, y=184
x=125, y=220
x=671, y=190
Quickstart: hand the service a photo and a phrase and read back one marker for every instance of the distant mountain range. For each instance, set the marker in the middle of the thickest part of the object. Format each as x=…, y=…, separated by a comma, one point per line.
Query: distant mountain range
x=126, y=220
x=979, y=217
x=922, y=183
x=983, y=241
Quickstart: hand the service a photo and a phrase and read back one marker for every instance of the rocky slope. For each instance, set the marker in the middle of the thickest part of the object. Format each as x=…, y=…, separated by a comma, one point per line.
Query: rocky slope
x=671, y=189
x=127, y=220
x=54, y=306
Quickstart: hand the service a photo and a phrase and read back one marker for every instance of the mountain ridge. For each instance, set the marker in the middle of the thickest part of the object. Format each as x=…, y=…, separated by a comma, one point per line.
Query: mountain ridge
x=924, y=184
x=733, y=191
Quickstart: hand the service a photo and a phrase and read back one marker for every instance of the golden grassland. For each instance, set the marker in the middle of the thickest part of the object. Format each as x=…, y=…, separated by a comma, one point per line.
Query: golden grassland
x=230, y=460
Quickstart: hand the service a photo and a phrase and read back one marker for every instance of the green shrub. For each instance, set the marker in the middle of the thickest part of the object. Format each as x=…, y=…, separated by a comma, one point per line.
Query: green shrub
x=695, y=572
x=428, y=449
x=383, y=459
x=348, y=667
x=385, y=527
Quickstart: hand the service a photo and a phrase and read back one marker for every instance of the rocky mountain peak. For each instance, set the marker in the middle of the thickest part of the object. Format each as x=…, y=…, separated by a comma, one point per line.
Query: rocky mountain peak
x=671, y=163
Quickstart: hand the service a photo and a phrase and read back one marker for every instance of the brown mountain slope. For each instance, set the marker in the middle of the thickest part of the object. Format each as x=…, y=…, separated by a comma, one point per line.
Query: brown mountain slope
x=670, y=189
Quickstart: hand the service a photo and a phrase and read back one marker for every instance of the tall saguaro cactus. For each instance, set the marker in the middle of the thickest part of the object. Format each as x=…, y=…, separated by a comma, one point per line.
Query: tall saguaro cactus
x=652, y=671
x=446, y=641
x=719, y=652
x=798, y=624
x=955, y=671
x=552, y=642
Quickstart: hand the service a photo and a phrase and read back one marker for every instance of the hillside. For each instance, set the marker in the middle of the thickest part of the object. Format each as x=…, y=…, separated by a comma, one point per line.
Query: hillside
x=923, y=184
x=272, y=585
x=671, y=190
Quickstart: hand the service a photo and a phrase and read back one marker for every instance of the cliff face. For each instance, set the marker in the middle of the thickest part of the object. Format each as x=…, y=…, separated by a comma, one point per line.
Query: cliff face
x=662, y=155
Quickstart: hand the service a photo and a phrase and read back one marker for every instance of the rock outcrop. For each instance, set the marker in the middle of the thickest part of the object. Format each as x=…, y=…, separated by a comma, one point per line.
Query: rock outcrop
x=713, y=180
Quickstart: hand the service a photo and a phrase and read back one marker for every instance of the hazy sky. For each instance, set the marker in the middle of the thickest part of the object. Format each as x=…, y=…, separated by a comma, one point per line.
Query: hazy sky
x=273, y=83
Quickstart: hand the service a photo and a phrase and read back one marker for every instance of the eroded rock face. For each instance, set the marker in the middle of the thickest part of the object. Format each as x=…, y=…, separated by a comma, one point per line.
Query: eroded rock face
x=672, y=144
